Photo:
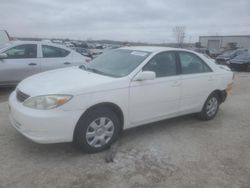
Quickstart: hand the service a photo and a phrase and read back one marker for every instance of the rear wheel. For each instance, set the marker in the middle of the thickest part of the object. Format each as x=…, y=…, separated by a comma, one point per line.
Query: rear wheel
x=210, y=107
x=97, y=130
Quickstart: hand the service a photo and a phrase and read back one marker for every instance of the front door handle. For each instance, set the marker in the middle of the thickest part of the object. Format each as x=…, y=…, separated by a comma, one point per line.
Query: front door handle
x=210, y=78
x=176, y=84
x=66, y=63
x=32, y=64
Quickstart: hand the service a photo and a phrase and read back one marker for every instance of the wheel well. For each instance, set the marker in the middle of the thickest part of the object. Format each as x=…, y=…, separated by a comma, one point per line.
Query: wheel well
x=115, y=108
x=222, y=94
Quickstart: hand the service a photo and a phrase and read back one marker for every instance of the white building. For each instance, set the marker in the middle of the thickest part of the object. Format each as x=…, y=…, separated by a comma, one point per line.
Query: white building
x=216, y=43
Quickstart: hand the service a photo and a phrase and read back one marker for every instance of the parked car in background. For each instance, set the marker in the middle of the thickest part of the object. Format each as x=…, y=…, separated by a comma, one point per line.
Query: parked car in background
x=120, y=89
x=4, y=37
x=83, y=51
x=20, y=59
x=240, y=62
x=202, y=51
x=68, y=44
x=96, y=52
x=227, y=55
x=213, y=53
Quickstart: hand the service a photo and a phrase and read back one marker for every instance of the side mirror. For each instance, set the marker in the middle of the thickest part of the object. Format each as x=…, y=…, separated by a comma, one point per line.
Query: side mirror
x=145, y=75
x=3, y=55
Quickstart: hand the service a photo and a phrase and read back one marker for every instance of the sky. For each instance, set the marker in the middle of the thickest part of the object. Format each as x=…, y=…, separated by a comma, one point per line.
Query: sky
x=124, y=20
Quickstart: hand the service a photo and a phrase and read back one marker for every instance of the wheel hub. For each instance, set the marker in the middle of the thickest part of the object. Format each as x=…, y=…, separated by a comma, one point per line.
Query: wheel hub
x=212, y=106
x=99, y=132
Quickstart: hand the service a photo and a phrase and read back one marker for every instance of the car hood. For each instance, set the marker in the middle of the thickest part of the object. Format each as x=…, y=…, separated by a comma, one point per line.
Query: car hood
x=247, y=58
x=225, y=57
x=72, y=81
x=240, y=61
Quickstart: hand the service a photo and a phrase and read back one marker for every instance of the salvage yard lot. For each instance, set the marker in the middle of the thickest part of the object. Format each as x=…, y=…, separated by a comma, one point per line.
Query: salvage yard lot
x=181, y=152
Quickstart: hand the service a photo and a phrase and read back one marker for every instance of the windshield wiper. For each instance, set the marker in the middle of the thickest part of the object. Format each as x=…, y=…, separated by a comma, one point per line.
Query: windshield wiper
x=94, y=70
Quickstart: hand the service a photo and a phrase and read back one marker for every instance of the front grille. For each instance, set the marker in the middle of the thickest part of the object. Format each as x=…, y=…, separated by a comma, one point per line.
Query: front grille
x=21, y=97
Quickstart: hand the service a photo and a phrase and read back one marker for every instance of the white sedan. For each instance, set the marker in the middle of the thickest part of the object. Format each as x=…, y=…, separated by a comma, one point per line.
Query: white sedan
x=21, y=59
x=123, y=88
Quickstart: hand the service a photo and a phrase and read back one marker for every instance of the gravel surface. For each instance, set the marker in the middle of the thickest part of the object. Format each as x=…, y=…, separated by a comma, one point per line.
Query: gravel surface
x=181, y=152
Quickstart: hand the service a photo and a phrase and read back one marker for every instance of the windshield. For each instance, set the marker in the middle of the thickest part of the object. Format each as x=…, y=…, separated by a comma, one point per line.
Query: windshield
x=117, y=63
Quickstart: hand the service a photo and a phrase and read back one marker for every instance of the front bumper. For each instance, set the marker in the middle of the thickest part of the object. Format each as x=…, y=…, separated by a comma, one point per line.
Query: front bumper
x=43, y=126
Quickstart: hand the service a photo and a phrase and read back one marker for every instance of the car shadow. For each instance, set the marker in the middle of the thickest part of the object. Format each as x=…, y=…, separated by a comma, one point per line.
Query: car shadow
x=163, y=126
x=70, y=150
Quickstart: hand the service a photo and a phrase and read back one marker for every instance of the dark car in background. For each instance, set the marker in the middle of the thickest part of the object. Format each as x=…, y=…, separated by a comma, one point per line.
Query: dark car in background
x=202, y=51
x=227, y=55
x=240, y=62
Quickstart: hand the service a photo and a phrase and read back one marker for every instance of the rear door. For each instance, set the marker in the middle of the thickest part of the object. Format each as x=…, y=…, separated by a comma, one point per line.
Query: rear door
x=55, y=57
x=197, y=81
x=21, y=62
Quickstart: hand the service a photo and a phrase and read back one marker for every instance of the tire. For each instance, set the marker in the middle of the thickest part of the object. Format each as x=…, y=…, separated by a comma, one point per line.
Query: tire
x=210, y=107
x=244, y=67
x=97, y=130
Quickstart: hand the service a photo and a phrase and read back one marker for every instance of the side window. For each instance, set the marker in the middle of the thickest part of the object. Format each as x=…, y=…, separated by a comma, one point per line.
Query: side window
x=163, y=64
x=51, y=51
x=191, y=64
x=22, y=51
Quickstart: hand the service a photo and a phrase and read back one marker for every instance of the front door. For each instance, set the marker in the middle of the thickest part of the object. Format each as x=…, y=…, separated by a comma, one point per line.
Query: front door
x=159, y=98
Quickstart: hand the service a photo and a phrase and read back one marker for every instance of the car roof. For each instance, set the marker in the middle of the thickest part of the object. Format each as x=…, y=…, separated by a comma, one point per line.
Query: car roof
x=153, y=49
x=19, y=42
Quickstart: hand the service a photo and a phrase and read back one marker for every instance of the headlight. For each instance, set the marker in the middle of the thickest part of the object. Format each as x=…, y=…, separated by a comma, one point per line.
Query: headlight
x=47, y=102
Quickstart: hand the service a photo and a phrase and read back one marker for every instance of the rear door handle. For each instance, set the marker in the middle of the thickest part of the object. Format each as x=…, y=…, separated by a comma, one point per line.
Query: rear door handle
x=66, y=63
x=32, y=64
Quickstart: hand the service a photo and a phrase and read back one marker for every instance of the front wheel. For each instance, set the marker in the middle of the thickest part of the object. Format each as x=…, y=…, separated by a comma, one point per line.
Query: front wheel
x=210, y=107
x=97, y=130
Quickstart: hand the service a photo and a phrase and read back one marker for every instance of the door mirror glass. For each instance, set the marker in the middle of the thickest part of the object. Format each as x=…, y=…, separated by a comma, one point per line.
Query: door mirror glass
x=145, y=75
x=3, y=55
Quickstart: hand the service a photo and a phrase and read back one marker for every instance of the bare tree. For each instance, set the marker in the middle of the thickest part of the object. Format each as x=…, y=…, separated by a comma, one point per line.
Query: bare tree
x=179, y=34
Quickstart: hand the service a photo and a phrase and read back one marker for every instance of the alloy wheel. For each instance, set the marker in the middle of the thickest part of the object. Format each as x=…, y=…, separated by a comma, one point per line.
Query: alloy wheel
x=99, y=132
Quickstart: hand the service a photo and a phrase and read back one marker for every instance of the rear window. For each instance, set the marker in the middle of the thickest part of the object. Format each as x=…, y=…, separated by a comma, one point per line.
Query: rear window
x=51, y=51
x=191, y=64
